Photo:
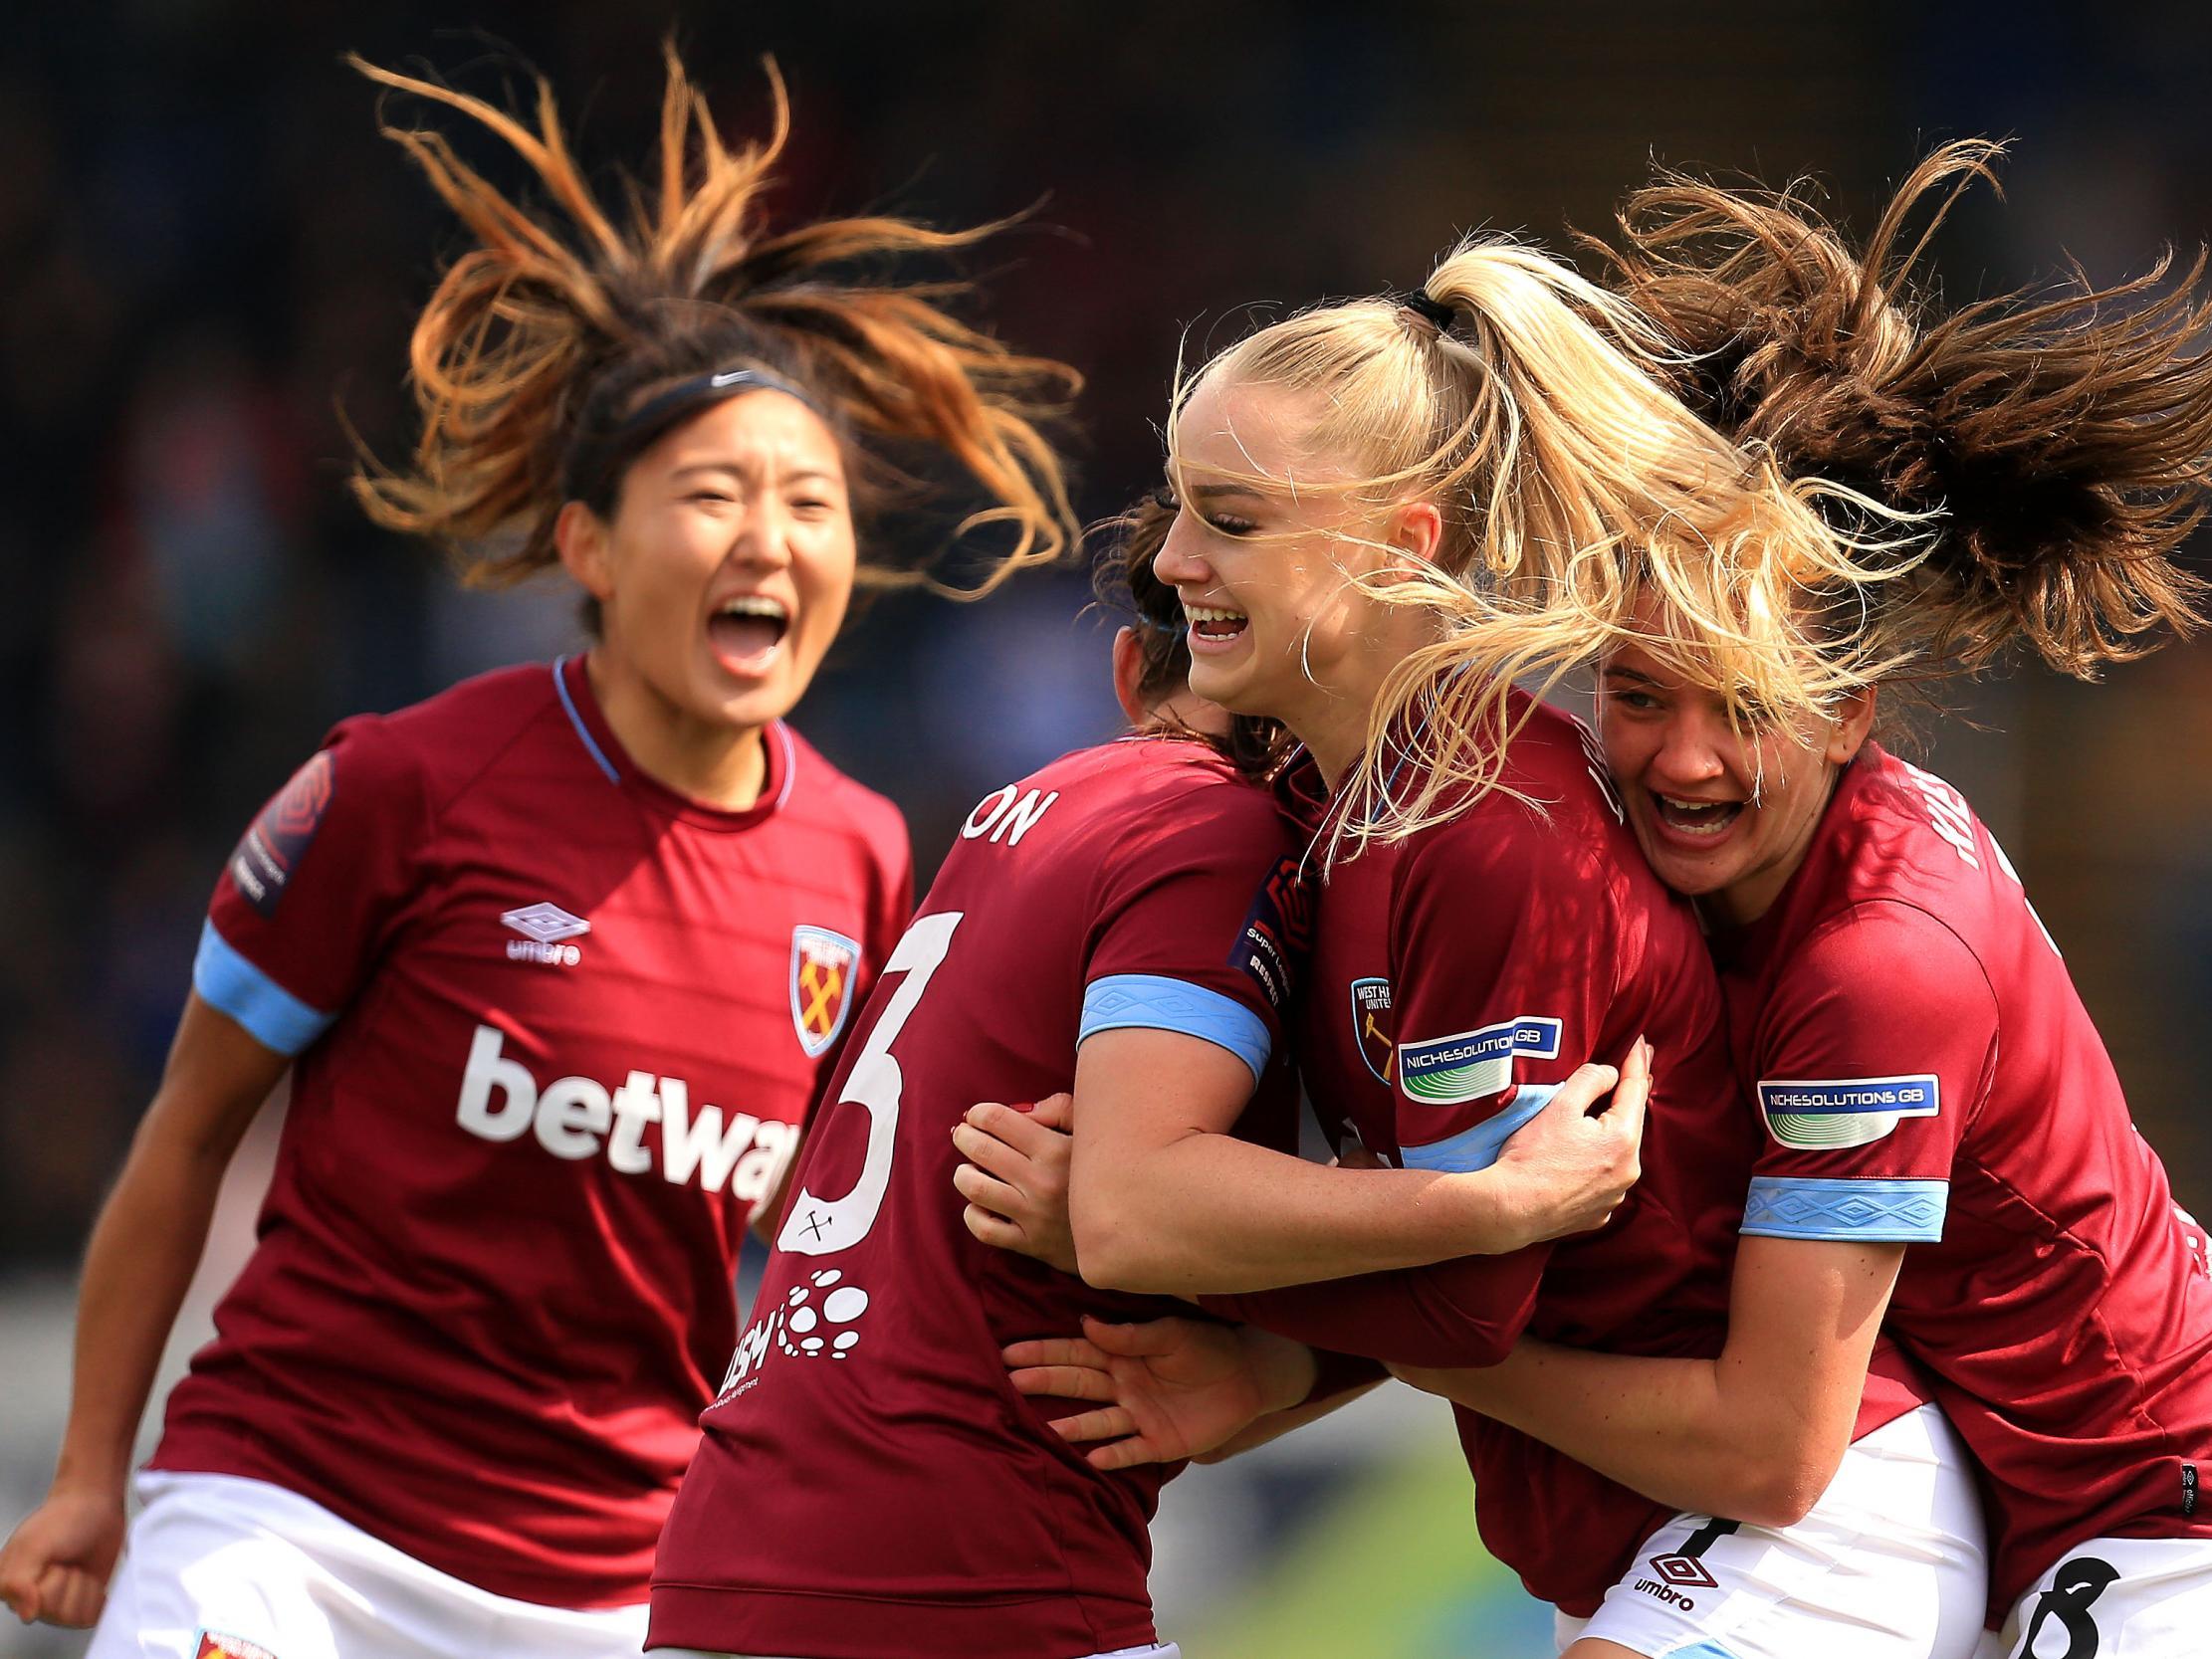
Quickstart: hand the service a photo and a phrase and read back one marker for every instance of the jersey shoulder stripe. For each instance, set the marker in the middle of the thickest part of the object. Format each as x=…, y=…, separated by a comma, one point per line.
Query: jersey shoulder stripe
x=1842, y=1210
x=1152, y=1002
x=1477, y=1149
x=227, y=981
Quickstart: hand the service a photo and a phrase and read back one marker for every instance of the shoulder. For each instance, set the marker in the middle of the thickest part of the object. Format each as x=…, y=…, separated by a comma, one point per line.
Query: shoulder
x=1886, y=957
x=1150, y=791
x=448, y=741
x=821, y=789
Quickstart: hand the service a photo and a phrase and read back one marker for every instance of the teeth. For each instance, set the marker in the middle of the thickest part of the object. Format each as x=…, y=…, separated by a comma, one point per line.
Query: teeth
x=755, y=604
x=1705, y=817
x=1204, y=613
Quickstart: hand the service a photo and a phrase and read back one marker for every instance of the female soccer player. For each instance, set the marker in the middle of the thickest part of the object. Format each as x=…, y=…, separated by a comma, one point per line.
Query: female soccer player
x=1945, y=1141
x=1127, y=920
x=1942, y=1127
x=1343, y=477
x=557, y=956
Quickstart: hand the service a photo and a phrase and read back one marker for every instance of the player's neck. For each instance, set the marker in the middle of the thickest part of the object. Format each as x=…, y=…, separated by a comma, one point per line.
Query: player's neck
x=706, y=761
x=1331, y=719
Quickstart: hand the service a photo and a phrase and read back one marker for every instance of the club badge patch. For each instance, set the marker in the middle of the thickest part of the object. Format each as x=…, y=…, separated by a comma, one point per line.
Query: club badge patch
x=1370, y=1026
x=278, y=839
x=1468, y=1065
x=1819, y=1114
x=214, y=1646
x=823, y=965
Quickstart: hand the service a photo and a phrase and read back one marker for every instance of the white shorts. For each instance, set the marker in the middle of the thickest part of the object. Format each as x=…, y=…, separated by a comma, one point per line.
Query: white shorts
x=1156, y=1650
x=2115, y=1598
x=1889, y=1564
x=218, y=1567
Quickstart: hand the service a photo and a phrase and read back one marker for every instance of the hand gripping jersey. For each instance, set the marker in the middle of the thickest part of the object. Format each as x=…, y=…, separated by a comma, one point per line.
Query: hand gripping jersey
x=869, y=1485
x=1456, y=979
x=1925, y=1073
x=555, y=1028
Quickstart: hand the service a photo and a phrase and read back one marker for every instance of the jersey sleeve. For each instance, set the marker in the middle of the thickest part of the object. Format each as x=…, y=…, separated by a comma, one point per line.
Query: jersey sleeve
x=299, y=912
x=1503, y=956
x=1503, y=948
x=1199, y=929
x=1873, y=1049
x=1467, y=1312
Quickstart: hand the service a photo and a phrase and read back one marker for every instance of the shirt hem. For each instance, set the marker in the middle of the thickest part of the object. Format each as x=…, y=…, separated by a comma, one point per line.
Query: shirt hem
x=734, y=1618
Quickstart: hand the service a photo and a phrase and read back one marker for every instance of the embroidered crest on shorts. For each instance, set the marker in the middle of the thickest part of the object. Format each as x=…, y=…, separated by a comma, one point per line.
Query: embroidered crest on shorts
x=1816, y=1115
x=1371, y=1027
x=215, y=1646
x=823, y=967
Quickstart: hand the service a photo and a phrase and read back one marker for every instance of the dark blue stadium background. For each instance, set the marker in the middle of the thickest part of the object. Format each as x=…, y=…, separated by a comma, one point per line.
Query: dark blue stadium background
x=205, y=249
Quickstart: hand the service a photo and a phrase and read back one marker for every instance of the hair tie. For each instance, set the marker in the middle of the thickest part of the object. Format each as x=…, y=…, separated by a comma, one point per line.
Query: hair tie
x=1426, y=305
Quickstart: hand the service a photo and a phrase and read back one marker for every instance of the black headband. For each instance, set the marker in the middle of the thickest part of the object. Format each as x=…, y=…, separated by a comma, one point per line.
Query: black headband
x=1424, y=304
x=594, y=464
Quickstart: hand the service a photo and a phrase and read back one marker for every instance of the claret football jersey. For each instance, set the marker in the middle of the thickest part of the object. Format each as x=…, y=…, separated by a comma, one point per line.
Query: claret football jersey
x=554, y=1027
x=869, y=1485
x=1456, y=979
x=1925, y=1073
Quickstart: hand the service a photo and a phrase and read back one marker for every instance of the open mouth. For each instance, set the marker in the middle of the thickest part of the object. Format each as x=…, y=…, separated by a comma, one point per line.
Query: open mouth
x=1213, y=628
x=1695, y=820
x=747, y=631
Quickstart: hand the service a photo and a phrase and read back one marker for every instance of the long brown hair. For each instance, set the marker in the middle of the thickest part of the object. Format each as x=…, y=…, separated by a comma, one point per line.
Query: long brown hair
x=556, y=326
x=2053, y=447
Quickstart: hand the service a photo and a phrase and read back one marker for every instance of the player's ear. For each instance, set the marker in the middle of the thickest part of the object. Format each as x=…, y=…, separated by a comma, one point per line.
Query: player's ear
x=1415, y=531
x=581, y=535
x=1854, y=720
x=1129, y=675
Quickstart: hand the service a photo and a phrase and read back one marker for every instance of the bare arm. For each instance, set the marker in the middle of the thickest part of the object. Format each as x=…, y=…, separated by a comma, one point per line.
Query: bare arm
x=143, y=1251
x=1162, y=1199
x=1756, y=1434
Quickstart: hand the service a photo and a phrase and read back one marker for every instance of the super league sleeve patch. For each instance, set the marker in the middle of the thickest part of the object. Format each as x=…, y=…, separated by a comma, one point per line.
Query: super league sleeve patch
x=1272, y=942
x=274, y=844
x=1468, y=1065
x=1825, y=1113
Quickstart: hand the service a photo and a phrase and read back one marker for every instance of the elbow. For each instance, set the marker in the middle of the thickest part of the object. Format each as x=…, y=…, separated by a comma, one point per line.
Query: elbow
x=1780, y=1491
x=1116, y=1251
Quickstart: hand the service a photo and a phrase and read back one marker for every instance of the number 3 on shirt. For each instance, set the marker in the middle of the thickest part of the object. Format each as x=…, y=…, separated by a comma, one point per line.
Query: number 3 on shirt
x=817, y=1227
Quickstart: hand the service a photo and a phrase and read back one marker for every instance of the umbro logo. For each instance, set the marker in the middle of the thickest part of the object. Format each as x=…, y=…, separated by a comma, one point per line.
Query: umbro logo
x=544, y=926
x=1684, y=1572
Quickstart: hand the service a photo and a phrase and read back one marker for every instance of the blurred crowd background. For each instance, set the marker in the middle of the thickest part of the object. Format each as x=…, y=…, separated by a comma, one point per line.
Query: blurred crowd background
x=210, y=262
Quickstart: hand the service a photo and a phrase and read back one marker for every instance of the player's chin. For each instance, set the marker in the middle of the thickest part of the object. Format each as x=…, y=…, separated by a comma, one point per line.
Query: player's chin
x=1690, y=871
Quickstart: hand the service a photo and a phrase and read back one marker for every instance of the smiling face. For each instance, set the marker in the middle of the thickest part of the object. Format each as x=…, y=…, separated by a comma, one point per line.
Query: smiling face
x=1267, y=571
x=1723, y=813
x=723, y=575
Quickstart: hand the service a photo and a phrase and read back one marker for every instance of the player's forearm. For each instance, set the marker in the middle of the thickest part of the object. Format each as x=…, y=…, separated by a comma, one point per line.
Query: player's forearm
x=144, y=1249
x=1691, y=1433
x=1213, y=1214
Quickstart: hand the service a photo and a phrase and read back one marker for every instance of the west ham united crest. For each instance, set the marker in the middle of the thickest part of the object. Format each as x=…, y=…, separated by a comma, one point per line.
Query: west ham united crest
x=1370, y=1026
x=823, y=965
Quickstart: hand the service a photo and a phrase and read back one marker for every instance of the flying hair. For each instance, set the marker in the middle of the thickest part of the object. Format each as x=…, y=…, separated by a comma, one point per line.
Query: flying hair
x=2055, y=445
x=559, y=321
x=1530, y=408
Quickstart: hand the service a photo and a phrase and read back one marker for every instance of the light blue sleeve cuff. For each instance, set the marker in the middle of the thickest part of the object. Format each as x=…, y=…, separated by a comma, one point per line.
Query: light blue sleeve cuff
x=1146, y=1001
x=272, y=1016
x=1478, y=1147
x=1846, y=1211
